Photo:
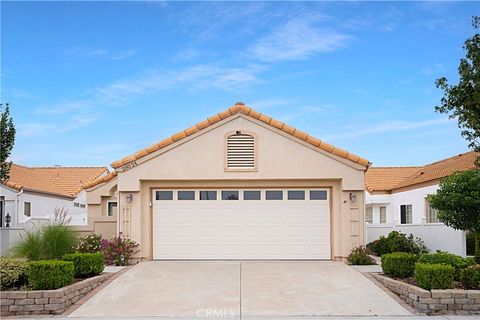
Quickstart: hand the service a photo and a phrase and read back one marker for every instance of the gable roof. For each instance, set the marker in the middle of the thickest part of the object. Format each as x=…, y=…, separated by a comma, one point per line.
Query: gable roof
x=62, y=181
x=242, y=109
x=391, y=178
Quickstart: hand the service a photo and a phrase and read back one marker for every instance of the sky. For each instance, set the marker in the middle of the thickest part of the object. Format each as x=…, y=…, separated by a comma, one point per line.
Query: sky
x=91, y=82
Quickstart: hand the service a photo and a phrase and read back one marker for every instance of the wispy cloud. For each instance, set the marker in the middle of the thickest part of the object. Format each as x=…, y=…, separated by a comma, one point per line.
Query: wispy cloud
x=83, y=51
x=433, y=69
x=298, y=39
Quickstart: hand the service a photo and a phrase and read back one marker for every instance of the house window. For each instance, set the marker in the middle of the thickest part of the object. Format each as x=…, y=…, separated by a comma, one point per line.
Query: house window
x=296, y=195
x=186, y=195
x=27, y=209
x=240, y=151
x=318, y=195
x=229, y=195
x=274, y=195
x=369, y=215
x=208, y=195
x=406, y=214
x=76, y=204
x=112, y=208
x=432, y=213
x=251, y=195
x=383, y=214
x=164, y=195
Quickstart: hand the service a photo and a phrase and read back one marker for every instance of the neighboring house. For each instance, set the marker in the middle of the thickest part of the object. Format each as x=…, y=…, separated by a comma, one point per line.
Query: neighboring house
x=239, y=185
x=396, y=200
x=35, y=192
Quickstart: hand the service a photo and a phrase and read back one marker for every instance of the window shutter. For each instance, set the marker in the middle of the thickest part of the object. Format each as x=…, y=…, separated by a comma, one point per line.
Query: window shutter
x=240, y=151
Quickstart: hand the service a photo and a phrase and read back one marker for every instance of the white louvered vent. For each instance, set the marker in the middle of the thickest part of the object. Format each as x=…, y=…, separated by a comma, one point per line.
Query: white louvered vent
x=240, y=151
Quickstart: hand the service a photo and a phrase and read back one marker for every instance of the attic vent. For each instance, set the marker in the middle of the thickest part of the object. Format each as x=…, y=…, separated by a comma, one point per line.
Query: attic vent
x=240, y=151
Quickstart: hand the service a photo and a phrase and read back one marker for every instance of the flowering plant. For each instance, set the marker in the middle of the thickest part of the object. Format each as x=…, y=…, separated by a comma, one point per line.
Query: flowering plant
x=118, y=250
x=89, y=244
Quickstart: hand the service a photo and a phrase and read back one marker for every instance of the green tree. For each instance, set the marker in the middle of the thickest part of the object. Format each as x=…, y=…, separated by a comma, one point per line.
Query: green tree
x=462, y=101
x=7, y=140
x=458, y=203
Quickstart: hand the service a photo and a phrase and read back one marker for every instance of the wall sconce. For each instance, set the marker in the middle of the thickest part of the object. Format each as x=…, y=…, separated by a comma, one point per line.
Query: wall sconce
x=353, y=196
x=129, y=197
x=8, y=219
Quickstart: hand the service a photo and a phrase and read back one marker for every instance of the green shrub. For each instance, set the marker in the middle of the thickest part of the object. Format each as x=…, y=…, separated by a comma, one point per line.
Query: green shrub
x=450, y=259
x=86, y=264
x=434, y=276
x=399, y=264
x=91, y=243
x=470, y=277
x=50, y=274
x=12, y=273
x=360, y=256
x=119, y=250
x=397, y=242
x=30, y=246
x=58, y=240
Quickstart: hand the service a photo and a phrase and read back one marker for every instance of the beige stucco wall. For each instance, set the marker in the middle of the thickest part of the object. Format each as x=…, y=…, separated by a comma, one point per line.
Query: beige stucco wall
x=198, y=161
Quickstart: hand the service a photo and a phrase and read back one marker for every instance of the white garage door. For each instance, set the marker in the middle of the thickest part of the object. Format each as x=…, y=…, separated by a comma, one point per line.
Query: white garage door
x=241, y=224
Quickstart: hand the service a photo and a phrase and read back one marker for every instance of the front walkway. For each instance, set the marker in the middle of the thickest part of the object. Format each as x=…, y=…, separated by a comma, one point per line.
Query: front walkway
x=250, y=289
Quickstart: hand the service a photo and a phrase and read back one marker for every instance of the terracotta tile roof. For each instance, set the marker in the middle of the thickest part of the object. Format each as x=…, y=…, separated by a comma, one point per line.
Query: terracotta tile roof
x=64, y=181
x=105, y=178
x=391, y=178
x=243, y=109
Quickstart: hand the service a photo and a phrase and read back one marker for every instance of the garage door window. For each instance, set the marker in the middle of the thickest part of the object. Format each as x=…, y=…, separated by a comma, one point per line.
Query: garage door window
x=296, y=195
x=208, y=195
x=229, y=195
x=274, y=195
x=164, y=195
x=318, y=195
x=251, y=195
x=186, y=195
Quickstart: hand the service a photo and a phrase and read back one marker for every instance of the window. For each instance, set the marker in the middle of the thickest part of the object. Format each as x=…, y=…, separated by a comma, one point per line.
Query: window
x=186, y=195
x=296, y=195
x=229, y=195
x=274, y=195
x=82, y=205
x=27, y=209
x=432, y=214
x=251, y=195
x=112, y=208
x=208, y=195
x=406, y=214
x=369, y=215
x=318, y=195
x=383, y=214
x=164, y=195
x=240, y=151
x=76, y=204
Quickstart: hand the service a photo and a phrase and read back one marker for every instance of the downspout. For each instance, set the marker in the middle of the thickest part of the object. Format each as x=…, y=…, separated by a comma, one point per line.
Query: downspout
x=17, y=207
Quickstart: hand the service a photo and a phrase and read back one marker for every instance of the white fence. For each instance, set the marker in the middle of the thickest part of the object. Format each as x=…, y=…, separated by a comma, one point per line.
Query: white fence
x=436, y=236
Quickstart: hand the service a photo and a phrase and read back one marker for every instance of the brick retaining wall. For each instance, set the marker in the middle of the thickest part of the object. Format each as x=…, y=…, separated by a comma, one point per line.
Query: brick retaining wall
x=451, y=301
x=15, y=303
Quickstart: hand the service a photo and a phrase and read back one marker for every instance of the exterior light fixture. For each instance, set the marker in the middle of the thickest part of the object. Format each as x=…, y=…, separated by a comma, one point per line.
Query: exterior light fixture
x=8, y=219
x=353, y=196
x=129, y=197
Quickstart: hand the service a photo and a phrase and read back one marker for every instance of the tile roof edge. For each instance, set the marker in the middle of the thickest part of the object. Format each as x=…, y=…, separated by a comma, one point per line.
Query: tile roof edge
x=241, y=108
x=100, y=180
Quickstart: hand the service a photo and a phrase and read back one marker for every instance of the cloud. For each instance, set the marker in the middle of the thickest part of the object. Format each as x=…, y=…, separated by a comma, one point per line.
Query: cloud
x=298, y=39
x=433, y=69
x=83, y=51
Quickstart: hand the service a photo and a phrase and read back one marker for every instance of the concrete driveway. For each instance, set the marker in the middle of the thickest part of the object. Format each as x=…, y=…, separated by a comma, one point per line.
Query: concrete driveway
x=251, y=289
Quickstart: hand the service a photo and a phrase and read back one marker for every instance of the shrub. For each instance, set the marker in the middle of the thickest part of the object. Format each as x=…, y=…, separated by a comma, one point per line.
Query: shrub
x=58, y=240
x=30, y=246
x=119, y=250
x=447, y=258
x=86, y=264
x=397, y=242
x=470, y=277
x=91, y=243
x=399, y=264
x=359, y=256
x=12, y=273
x=434, y=276
x=50, y=274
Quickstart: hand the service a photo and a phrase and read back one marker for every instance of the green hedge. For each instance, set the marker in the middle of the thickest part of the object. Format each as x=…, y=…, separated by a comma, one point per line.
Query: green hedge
x=12, y=273
x=434, y=276
x=86, y=264
x=397, y=242
x=399, y=264
x=470, y=277
x=50, y=274
x=360, y=256
x=450, y=259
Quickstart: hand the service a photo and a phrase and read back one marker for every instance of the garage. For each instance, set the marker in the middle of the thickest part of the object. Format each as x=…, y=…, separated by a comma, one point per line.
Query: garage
x=241, y=224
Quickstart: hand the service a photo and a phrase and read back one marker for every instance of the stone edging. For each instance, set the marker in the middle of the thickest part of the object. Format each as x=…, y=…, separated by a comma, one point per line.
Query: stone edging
x=449, y=301
x=41, y=302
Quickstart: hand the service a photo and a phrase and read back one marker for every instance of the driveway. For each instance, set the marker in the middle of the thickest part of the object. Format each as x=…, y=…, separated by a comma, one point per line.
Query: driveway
x=225, y=289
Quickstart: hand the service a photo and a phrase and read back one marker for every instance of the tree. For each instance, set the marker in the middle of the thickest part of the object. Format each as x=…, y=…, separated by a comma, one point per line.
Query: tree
x=462, y=101
x=458, y=203
x=7, y=140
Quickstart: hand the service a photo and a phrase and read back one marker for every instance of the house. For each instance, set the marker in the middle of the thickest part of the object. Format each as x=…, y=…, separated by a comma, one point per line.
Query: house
x=238, y=185
x=396, y=200
x=35, y=192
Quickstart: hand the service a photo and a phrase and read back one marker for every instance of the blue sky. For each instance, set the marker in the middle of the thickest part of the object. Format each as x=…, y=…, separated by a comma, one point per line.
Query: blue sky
x=91, y=82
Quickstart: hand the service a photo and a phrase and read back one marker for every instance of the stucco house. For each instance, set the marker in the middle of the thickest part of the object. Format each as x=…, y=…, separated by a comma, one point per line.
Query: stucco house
x=396, y=200
x=35, y=192
x=238, y=185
